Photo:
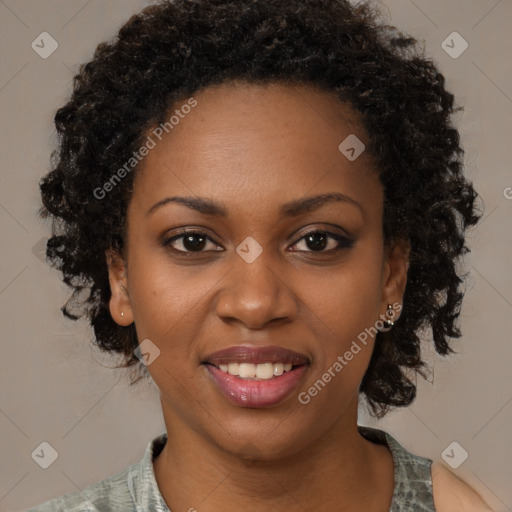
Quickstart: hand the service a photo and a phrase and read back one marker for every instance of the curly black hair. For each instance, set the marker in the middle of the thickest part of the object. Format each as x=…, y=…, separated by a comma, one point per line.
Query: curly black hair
x=175, y=48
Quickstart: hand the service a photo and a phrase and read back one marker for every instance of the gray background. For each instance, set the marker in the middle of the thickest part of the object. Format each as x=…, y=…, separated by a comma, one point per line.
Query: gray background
x=55, y=387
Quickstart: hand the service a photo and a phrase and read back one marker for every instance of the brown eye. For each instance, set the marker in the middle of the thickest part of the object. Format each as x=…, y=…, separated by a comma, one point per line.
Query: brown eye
x=319, y=241
x=190, y=241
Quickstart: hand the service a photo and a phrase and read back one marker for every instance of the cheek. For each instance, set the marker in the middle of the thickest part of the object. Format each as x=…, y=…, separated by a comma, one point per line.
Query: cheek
x=166, y=311
x=349, y=298
x=346, y=335
x=348, y=307
x=164, y=305
x=161, y=295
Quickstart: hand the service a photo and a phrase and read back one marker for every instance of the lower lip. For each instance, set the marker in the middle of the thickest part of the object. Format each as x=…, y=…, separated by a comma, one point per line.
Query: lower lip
x=256, y=393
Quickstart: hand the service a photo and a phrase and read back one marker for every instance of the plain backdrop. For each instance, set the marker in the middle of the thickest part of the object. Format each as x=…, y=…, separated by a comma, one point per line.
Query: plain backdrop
x=56, y=388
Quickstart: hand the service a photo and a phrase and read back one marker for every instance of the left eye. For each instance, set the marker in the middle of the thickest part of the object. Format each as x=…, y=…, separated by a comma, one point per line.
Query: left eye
x=319, y=240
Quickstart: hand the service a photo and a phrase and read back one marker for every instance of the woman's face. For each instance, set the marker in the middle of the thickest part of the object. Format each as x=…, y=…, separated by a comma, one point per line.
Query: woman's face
x=258, y=274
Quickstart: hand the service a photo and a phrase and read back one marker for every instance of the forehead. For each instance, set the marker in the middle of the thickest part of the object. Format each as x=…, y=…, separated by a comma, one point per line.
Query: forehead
x=243, y=141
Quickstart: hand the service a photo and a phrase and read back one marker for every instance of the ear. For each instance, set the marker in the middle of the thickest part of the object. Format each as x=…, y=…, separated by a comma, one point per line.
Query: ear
x=394, y=274
x=120, y=305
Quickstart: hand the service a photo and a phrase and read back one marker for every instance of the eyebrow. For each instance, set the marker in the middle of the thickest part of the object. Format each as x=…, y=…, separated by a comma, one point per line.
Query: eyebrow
x=291, y=209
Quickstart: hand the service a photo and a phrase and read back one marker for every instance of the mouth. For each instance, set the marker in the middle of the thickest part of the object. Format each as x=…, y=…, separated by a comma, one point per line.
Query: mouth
x=261, y=371
x=256, y=377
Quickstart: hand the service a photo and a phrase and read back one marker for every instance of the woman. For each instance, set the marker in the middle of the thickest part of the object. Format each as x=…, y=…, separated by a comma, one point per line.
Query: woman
x=262, y=204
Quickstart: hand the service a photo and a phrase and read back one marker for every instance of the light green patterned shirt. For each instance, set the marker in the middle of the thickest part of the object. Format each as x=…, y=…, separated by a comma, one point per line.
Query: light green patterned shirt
x=135, y=489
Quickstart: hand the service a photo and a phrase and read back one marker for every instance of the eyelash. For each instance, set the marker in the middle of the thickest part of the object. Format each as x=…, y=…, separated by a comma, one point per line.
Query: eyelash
x=343, y=242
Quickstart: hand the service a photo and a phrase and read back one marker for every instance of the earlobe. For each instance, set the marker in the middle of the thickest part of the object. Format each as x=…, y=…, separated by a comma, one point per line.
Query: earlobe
x=120, y=305
x=395, y=274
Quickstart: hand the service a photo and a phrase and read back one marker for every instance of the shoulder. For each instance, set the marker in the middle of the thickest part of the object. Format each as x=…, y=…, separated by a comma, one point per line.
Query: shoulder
x=107, y=495
x=451, y=494
x=132, y=488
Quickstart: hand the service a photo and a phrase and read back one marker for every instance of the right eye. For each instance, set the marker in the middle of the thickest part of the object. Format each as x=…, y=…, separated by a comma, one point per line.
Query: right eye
x=189, y=242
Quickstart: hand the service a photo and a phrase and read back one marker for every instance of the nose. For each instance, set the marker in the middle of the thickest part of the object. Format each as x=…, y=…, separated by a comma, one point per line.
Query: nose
x=256, y=294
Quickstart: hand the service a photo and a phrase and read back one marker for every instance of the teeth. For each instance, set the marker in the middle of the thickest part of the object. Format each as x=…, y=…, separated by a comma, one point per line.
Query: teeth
x=247, y=370
x=278, y=369
x=233, y=368
x=262, y=371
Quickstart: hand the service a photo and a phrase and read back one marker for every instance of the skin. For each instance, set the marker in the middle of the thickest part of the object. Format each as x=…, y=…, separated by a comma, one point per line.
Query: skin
x=254, y=148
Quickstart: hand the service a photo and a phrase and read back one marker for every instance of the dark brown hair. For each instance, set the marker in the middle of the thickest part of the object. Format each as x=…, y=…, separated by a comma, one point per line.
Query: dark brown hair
x=173, y=49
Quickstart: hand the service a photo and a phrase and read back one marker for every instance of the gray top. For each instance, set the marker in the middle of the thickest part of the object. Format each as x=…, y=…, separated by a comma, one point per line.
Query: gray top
x=413, y=480
x=134, y=489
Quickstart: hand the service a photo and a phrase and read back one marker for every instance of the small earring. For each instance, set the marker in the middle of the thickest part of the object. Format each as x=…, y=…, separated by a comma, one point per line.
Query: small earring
x=388, y=324
x=122, y=313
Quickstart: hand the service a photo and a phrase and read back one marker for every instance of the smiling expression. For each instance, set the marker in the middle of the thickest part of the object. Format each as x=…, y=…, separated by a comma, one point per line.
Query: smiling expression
x=257, y=165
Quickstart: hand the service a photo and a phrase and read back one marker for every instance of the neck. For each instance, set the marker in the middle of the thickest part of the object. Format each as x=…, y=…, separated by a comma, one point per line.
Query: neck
x=337, y=471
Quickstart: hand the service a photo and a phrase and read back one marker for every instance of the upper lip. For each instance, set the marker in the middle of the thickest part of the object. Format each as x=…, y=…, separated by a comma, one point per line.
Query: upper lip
x=256, y=355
